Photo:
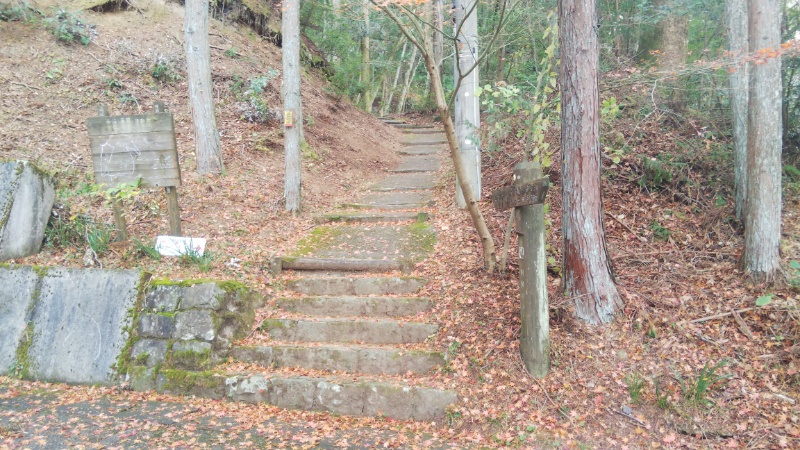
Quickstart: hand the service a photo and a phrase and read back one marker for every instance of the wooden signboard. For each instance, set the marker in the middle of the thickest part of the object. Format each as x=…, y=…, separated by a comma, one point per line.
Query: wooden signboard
x=524, y=194
x=127, y=148
x=137, y=147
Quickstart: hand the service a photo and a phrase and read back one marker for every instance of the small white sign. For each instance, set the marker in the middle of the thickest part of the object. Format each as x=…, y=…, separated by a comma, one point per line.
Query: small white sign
x=179, y=246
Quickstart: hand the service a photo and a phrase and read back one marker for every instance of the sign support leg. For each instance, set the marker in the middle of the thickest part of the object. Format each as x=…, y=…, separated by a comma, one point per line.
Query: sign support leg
x=174, y=211
x=534, y=307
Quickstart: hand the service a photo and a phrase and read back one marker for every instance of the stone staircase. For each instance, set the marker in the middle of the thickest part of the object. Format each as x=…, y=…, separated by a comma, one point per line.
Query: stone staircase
x=367, y=334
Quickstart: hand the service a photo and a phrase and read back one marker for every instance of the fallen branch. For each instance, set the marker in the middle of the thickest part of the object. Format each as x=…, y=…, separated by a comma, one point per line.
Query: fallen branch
x=715, y=316
x=33, y=88
x=626, y=227
x=742, y=325
x=638, y=422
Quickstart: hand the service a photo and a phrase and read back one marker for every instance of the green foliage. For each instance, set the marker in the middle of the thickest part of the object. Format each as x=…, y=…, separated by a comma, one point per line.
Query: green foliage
x=165, y=70
x=656, y=174
x=764, y=300
x=144, y=249
x=68, y=29
x=120, y=192
x=231, y=53
x=252, y=104
x=696, y=390
x=659, y=231
x=794, y=274
x=662, y=398
x=13, y=13
x=635, y=384
x=98, y=237
x=77, y=231
x=192, y=257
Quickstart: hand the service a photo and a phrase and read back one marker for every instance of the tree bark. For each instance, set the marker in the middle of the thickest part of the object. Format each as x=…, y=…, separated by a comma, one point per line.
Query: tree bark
x=366, y=70
x=201, y=96
x=763, y=206
x=388, y=104
x=736, y=12
x=292, y=103
x=466, y=106
x=412, y=66
x=587, y=274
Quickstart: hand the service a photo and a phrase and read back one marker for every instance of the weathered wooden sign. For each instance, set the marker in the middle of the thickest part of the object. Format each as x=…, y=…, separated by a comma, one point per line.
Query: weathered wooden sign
x=128, y=148
x=531, y=193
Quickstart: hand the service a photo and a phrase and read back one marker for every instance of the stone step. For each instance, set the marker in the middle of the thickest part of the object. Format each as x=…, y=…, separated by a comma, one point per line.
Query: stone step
x=355, y=306
x=365, y=398
x=325, y=286
x=395, y=122
x=348, y=331
x=371, y=218
x=339, y=264
x=405, y=182
x=413, y=164
x=423, y=139
x=413, y=126
x=342, y=358
x=421, y=130
x=393, y=200
x=416, y=150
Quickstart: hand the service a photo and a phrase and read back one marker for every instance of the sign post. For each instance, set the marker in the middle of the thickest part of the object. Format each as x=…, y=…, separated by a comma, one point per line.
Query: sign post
x=137, y=147
x=526, y=196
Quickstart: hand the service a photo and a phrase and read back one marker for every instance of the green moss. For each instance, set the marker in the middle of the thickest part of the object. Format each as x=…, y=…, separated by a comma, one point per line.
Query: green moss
x=271, y=324
x=187, y=381
x=191, y=360
x=320, y=238
x=123, y=363
x=22, y=364
x=422, y=235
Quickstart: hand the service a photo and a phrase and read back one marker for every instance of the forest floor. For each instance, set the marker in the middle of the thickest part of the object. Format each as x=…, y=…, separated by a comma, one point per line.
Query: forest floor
x=676, y=369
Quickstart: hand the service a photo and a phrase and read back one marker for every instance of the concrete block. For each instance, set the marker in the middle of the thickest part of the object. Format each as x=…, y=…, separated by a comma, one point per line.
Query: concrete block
x=79, y=324
x=26, y=199
x=149, y=352
x=202, y=296
x=156, y=326
x=195, y=324
x=163, y=298
x=18, y=287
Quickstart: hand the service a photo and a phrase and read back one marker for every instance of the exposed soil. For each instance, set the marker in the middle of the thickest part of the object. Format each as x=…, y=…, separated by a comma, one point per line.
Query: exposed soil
x=674, y=247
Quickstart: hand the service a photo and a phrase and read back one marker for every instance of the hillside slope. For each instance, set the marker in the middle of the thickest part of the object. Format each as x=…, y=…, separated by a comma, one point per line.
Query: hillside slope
x=135, y=58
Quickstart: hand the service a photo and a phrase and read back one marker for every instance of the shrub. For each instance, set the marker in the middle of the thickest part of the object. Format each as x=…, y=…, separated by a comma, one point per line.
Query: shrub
x=68, y=29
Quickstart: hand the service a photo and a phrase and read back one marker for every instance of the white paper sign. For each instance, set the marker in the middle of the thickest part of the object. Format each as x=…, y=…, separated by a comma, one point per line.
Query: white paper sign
x=179, y=246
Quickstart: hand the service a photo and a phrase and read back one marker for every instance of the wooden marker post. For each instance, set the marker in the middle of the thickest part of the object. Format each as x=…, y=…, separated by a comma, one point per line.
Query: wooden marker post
x=526, y=196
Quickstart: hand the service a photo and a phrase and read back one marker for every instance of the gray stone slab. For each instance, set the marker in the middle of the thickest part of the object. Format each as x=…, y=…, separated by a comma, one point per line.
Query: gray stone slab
x=352, y=359
x=163, y=298
x=26, y=199
x=417, y=150
x=397, y=243
x=17, y=286
x=195, y=324
x=158, y=326
x=353, y=217
x=80, y=323
x=355, y=306
x=419, y=130
x=418, y=164
x=393, y=200
x=348, y=331
x=423, y=139
x=405, y=182
x=204, y=296
x=149, y=352
x=349, y=398
x=357, y=286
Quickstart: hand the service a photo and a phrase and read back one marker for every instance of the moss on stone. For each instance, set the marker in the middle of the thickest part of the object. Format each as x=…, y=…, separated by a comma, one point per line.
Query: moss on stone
x=123, y=362
x=188, y=381
x=271, y=324
x=320, y=238
x=191, y=360
x=22, y=362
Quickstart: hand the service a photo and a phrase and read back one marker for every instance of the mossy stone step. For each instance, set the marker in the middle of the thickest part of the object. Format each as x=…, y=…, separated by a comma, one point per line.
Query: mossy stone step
x=412, y=126
x=341, y=264
x=393, y=200
x=325, y=286
x=355, y=306
x=342, y=358
x=349, y=398
x=348, y=331
x=371, y=217
x=421, y=130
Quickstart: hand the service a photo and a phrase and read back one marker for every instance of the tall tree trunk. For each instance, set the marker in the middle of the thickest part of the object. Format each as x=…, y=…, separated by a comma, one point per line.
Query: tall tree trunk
x=292, y=103
x=412, y=66
x=466, y=105
x=438, y=33
x=587, y=274
x=388, y=104
x=763, y=208
x=366, y=70
x=201, y=95
x=736, y=12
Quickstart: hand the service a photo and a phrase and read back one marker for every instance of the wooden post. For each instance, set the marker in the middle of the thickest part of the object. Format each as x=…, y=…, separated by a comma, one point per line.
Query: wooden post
x=173, y=210
x=534, y=343
x=119, y=220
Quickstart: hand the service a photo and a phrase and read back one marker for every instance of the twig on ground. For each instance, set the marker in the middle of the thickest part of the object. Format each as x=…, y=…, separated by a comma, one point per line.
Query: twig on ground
x=627, y=416
x=33, y=88
x=742, y=325
x=715, y=316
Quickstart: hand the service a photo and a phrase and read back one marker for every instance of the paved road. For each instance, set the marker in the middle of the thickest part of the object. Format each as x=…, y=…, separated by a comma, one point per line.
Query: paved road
x=54, y=417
